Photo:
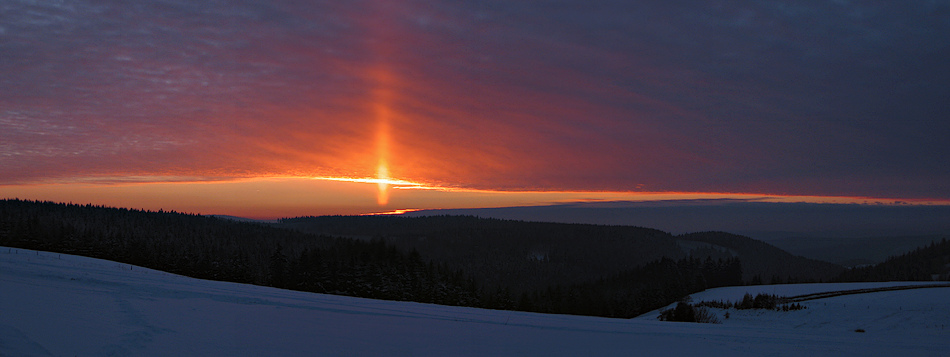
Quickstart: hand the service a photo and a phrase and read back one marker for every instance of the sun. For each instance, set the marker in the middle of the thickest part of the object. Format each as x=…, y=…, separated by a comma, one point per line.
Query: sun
x=382, y=183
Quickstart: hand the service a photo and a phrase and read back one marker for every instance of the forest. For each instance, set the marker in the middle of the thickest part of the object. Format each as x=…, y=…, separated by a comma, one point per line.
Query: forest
x=538, y=255
x=931, y=262
x=610, y=271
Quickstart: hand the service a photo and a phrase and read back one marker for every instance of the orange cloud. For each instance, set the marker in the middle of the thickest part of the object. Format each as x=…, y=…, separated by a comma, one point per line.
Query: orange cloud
x=505, y=97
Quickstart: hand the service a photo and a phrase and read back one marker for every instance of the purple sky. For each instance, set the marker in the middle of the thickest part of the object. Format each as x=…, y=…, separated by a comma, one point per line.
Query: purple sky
x=835, y=98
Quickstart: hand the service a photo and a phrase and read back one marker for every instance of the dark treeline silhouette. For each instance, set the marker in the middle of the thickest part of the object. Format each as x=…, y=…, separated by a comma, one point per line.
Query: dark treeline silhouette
x=535, y=256
x=522, y=256
x=759, y=301
x=684, y=311
x=931, y=262
x=218, y=249
x=636, y=291
x=853, y=251
x=763, y=263
x=609, y=271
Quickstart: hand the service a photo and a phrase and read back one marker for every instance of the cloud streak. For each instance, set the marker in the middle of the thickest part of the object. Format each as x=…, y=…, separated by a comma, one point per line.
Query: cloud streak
x=760, y=97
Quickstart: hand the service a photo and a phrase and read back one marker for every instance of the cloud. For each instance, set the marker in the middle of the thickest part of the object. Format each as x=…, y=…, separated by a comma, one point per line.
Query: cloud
x=742, y=96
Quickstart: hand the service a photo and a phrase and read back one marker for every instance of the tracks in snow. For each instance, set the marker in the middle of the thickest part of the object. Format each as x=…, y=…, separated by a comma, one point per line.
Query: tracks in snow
x=829, y=294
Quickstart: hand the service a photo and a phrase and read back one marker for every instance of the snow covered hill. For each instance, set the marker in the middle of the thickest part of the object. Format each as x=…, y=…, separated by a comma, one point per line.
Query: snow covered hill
x=61, y=305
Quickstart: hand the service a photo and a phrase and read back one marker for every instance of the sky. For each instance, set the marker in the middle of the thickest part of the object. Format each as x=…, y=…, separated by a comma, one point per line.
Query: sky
x=286, y=108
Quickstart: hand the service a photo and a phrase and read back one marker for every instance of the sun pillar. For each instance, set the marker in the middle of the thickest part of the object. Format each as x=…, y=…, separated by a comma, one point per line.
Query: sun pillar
x=383, y=106
x=384, y=34
x=382, y=152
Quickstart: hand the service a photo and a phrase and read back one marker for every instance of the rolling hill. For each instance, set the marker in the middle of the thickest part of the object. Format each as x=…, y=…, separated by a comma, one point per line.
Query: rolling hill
x=57, y=304
x=537, y=255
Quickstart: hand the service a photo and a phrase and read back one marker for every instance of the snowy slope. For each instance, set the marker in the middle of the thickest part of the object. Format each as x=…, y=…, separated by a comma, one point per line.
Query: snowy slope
x=52, y=304
x=903, y=317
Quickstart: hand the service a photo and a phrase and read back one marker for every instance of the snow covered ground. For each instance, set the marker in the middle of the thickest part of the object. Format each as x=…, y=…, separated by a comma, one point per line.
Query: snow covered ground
x=60, y=305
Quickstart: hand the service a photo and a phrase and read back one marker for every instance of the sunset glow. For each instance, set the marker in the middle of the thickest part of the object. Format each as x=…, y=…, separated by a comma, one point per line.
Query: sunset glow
x=388, y=105
x=382, y=175
x=276, y=197
x=383, y=114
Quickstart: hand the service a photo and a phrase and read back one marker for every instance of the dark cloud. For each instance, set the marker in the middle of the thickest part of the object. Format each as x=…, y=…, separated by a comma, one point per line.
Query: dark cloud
x=815, y=97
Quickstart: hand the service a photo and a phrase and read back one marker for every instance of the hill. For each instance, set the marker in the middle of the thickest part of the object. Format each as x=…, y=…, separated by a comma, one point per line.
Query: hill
x=536, y=255
x=763, y=262
x=851, y=252
x=931, y=262
x=504, y=253
x=611, y=271
x=222, y=249
x=59, y=304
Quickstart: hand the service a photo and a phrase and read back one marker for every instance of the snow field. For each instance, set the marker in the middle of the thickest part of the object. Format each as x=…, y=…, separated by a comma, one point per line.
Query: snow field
x=62, y=305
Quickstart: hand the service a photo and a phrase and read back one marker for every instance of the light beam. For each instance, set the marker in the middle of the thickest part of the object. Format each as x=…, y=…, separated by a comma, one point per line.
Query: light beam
x=381, y=100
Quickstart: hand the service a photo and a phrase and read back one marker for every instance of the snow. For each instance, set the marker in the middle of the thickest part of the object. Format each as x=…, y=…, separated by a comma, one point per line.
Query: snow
x=735, y=293
x=57, y=304
x=904, y=317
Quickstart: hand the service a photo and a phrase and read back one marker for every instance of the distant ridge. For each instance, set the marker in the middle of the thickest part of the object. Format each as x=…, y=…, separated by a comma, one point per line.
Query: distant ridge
x=764, y=263
x=242, y=219
x=852, y=252
x=543, y=254
x=760, y=220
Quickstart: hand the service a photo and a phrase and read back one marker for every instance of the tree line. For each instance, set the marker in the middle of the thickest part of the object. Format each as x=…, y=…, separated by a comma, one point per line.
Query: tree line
x=931, y=262
x=533, y=268
x=219, y=249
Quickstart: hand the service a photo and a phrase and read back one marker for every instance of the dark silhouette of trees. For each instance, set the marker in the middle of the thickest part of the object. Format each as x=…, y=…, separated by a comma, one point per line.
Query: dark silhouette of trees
x=533, y=256
x=634, y=292
x=579, y=269
x=931, y=262
x=763, y=263
x=218, y=249
x=685, y=312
